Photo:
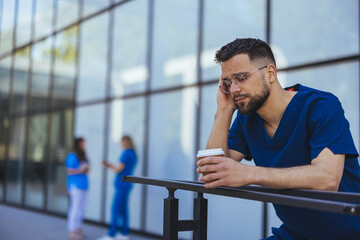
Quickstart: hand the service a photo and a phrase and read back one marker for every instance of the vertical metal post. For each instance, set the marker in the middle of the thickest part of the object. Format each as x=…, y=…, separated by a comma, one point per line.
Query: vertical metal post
x=265, y=219
x=2, y=121
x=107, y=112
x=171, y=216
x=200, y=214
x=145, y=170
x=28, y=113
x=268, y=40
x=49, y=107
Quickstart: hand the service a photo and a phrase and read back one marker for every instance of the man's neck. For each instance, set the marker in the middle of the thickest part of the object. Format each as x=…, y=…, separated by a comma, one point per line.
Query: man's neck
x=274, y=107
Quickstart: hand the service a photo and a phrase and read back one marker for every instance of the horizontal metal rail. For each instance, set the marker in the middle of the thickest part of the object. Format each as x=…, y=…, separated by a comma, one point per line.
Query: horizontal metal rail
x=324, y=195
x=343, y=203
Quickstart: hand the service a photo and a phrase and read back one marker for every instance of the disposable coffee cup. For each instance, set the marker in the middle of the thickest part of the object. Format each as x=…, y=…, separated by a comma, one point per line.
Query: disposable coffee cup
x=215, y=152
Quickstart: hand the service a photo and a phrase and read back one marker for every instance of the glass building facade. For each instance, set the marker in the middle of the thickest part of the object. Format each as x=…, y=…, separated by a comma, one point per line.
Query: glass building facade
x=101, y=69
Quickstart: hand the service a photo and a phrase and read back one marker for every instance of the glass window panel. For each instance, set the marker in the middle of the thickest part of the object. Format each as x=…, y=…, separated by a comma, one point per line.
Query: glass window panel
x=40, y=81
x=61, y=141
x=130, y=43
x=127, y=118
x=92, y=130
x=23, y=28
x=5, y=65
x=208, y=110
x=65, y=67
x=303, y=34
x=230, y=218
x=15, y=165
x=224, y=212
x=223, y=24
x=171, y=152
x=175, y=43
x=92, y=66
x=36, y=164
x=67, y=12
x=92, y=6
x=44, y=14
x=20, y=82
x=341, y=79
x=7, y=25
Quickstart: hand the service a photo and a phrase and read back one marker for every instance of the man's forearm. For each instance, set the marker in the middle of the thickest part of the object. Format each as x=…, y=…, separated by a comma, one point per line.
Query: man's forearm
x=302, y=177
x=219, y=133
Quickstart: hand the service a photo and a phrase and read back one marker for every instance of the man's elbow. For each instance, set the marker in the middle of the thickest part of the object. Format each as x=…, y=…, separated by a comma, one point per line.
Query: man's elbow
x=329, y=187
x=330, y=184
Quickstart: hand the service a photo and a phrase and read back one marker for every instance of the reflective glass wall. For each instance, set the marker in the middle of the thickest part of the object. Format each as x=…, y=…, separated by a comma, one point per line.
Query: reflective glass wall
x=102, y=69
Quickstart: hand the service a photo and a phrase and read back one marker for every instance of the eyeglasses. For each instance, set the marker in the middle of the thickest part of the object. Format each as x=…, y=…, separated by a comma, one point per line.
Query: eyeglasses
x=238, y=77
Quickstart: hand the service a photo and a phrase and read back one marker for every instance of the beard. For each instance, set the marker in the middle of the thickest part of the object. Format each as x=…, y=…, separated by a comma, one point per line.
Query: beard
x=256, y=101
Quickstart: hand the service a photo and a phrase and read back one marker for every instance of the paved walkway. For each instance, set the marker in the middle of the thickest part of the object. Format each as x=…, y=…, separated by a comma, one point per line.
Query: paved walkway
x=22, y=224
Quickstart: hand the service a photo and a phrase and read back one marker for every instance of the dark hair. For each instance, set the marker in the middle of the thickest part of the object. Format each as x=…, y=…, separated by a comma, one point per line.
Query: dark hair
x=256, y=49
x=129, y=140
x=78, y=151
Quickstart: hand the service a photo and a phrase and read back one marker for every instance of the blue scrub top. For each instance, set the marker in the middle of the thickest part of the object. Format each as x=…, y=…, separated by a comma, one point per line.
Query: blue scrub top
x=80, y=180
x=129, y=159
x=312, y=121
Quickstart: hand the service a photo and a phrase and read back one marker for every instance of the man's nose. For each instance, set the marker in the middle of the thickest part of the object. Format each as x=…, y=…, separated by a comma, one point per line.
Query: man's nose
x=235, y=87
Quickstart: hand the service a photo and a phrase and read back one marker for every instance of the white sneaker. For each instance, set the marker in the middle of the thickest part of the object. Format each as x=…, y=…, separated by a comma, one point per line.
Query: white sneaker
x=106, y=237
x=119, y=236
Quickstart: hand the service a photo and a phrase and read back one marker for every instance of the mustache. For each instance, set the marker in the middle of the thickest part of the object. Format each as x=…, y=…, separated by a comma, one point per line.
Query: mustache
x=240, y=96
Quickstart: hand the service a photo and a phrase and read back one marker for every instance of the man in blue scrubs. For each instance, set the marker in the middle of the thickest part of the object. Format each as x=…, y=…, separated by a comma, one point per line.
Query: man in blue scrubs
x=298, y=138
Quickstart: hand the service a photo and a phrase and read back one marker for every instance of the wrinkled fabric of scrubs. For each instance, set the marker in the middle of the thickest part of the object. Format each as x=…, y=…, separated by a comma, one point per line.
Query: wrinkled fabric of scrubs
x=312, y=121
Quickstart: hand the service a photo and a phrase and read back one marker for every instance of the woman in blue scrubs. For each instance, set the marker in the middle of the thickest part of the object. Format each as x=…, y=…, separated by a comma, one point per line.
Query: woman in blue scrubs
x=120, y=210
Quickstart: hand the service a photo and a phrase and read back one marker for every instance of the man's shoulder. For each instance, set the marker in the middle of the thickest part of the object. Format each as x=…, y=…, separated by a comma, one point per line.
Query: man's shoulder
x=313, y=97
x=319, y=104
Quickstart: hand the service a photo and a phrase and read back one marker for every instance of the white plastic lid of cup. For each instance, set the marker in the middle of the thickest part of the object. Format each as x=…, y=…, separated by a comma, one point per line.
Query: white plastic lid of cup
x=210, y=152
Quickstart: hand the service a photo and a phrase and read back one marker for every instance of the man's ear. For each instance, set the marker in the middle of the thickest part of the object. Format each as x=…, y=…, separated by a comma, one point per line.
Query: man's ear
x=271, y=73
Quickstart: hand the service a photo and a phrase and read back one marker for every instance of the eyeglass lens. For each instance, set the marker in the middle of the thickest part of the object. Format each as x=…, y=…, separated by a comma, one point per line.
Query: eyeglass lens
x=226, y=84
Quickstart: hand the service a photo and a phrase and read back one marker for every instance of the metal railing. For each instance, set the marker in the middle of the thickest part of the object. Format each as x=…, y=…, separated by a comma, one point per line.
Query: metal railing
x=337, y=202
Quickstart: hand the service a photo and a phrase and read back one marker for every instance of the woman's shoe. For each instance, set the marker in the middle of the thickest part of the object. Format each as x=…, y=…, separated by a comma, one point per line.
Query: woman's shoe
x=120, y=236
x=75, y=236
x=80, y=232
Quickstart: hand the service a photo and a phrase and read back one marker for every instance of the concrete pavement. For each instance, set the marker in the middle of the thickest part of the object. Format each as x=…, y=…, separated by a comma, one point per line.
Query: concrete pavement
x=22, y=224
